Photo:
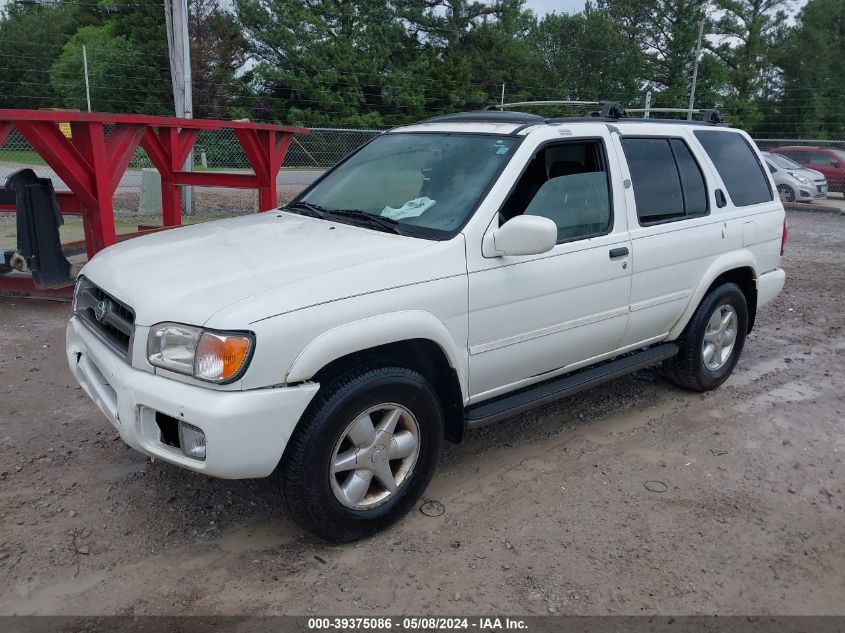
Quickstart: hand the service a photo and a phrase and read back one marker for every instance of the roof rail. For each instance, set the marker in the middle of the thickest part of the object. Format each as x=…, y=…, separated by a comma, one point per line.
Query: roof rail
x=517, y=104
x=607, y=109
x=708, y=116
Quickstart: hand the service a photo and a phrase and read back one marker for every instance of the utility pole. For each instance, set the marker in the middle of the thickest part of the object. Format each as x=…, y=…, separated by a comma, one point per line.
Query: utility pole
x=503, y=94
x=695, y=69
x=179, y=49
x=647, y=112
x=87, y=85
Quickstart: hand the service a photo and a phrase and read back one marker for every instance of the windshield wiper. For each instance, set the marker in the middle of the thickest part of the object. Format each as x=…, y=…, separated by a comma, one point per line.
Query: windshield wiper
x=356, y=215
x=310, y=209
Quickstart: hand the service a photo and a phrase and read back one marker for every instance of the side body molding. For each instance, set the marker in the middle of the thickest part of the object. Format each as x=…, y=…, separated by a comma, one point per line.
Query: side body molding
x=722, y=264
x=374, y=331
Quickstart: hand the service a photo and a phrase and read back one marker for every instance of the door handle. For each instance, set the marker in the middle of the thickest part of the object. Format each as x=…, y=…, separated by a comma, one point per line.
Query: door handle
x=616, y=253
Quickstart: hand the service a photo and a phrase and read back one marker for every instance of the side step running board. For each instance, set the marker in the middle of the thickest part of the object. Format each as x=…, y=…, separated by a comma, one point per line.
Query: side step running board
x=567, y=385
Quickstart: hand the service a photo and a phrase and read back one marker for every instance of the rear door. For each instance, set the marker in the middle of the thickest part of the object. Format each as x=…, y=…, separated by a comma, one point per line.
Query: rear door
x=673, y=233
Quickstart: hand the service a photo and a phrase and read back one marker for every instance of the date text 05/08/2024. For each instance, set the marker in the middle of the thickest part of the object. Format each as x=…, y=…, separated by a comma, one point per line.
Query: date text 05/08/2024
x=417, y=623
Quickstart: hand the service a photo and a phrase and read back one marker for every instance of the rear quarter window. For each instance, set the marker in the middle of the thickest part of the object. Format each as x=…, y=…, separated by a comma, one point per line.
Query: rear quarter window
x=738, y=166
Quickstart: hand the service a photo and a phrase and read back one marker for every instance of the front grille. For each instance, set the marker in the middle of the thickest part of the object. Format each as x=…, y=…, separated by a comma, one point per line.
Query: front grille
x=110, y=319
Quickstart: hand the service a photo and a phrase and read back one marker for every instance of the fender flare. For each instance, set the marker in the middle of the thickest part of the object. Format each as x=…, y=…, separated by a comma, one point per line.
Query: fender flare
x=371, y=332
x=722, y=264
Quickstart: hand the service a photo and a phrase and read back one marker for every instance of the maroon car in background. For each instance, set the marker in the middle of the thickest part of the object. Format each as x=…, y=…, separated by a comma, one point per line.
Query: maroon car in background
x=829, y=161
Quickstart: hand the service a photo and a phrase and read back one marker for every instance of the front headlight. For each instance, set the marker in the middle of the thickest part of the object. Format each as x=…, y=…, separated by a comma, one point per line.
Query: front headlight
x=209, y=355
x=800, y=177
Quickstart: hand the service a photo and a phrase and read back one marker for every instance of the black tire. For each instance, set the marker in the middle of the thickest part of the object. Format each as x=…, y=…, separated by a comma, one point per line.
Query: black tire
x=303, y=475
x=688, y=369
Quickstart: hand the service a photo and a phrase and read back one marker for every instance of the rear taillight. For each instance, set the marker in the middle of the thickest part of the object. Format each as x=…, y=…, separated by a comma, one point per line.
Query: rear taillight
x=784, y=237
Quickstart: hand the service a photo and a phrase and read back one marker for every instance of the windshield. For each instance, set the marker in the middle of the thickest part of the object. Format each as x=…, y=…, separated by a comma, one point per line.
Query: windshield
x=428, y=183
x=782, y=161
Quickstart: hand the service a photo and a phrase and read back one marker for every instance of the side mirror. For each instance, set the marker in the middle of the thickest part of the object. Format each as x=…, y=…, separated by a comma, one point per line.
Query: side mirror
x=522, y=235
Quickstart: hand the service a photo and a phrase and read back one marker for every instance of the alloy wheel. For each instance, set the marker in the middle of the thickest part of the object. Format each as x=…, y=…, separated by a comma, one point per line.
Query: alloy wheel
x=374, y=456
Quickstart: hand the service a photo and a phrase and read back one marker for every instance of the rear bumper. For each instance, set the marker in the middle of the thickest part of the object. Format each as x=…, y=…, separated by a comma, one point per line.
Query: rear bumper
x=769, y=286
x=246, y=431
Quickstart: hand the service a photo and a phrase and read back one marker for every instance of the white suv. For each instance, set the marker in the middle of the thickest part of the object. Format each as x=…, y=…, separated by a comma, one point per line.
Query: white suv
x=446, y=275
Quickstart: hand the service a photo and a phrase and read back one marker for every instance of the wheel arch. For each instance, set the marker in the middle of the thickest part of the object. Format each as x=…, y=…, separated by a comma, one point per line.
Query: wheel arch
x=739, y=269
x=413, y=338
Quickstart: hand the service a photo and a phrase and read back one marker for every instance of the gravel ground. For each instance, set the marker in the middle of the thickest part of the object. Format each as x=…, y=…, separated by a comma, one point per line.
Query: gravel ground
x=556, y=511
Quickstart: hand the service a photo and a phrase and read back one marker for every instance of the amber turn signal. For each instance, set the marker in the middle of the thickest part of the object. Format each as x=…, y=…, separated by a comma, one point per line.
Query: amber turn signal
x=221, y=357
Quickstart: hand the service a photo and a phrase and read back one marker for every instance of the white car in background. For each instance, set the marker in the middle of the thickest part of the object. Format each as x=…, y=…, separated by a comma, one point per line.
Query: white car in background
x=446, y=275
x=795, y=183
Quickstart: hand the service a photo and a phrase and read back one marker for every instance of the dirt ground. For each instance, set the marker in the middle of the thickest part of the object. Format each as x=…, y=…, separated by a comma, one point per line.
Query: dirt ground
x=556, y=511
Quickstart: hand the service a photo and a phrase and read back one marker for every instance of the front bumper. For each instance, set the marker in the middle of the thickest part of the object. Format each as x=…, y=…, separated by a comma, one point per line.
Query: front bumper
x=246, y=431
x=813, y=191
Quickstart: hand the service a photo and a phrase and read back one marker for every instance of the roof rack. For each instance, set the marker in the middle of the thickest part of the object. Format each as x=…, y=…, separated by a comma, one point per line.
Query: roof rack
x=609, y=111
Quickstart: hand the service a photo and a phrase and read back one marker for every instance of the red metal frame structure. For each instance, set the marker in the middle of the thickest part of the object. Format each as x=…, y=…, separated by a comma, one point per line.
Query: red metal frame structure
x=91, y=162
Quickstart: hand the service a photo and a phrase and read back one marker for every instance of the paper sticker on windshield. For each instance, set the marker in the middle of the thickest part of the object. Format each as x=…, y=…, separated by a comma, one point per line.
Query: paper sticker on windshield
x=410, y=209
x=502, y=149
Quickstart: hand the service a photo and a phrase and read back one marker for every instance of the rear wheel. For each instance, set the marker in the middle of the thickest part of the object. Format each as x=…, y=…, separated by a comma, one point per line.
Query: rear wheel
x=711, y=345
x=363, y=453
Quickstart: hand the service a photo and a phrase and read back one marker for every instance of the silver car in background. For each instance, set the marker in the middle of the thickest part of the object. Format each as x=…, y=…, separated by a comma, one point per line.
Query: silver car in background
x=794, y=182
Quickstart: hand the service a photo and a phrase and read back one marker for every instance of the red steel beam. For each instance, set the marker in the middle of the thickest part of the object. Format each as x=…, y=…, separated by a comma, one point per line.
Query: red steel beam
x=168, y=149
x=121, y=144
x=215, y=179
x=68, y=204
x=5, y=128
x=92, y=164
x=62, y=156
x=18, y=285
x=89, y=139
x=62, y=116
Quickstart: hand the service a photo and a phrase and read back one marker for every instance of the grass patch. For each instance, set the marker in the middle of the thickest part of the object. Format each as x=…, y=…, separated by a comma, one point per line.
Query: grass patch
x=22, y=156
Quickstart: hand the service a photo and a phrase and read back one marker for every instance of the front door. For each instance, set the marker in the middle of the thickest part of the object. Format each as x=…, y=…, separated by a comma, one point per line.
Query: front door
x=534, y=316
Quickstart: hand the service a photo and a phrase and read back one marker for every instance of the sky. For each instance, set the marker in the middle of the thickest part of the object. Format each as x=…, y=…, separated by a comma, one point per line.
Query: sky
x=541, y=7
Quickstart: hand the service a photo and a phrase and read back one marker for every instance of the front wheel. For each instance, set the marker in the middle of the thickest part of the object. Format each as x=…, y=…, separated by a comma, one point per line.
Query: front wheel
x=786, y=193
x=711, y=344
x=363, y=453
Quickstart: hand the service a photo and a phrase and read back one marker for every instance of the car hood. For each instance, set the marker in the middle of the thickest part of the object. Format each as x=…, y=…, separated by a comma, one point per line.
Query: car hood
x=812, y=173
x=189, y=273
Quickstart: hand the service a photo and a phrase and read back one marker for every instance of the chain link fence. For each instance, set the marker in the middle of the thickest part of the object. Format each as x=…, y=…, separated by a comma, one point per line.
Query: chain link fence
x=312, y=154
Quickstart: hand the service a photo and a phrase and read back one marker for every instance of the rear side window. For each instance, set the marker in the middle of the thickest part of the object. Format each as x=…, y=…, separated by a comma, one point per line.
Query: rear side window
x=738, y=166
x=692, y=182
x=668, y=184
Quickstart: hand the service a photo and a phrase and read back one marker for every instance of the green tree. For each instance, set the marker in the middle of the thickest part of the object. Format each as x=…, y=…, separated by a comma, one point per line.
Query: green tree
x=812, y=59
x=328, y=61
x=586, y=56
x=667, y=31
x=749, y=30
x=218, y=51
x=31, y=38
x=119, y=75
x=447, y=22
